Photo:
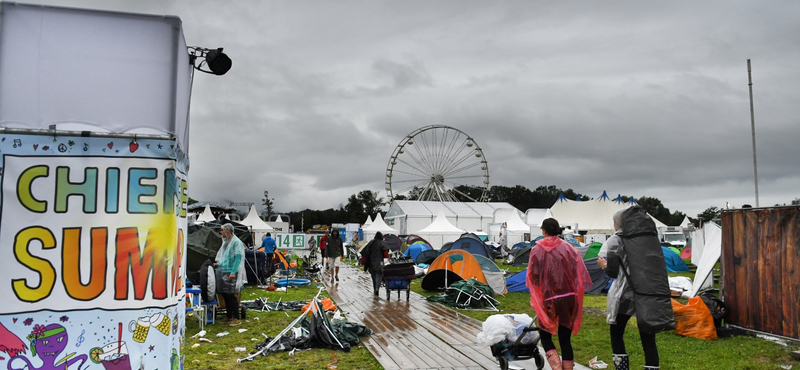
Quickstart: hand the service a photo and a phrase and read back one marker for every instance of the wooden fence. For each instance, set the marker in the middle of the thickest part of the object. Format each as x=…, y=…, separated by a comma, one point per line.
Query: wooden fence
x=761, y=269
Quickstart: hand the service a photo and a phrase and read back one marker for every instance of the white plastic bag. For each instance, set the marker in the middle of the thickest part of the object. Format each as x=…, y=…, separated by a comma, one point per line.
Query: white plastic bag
x=520, y=322
x=496, y=329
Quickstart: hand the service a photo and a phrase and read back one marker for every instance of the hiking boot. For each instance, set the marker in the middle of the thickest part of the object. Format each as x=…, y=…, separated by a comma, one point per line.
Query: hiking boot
x=235, y=322
x=621, y=361
x=553, y=359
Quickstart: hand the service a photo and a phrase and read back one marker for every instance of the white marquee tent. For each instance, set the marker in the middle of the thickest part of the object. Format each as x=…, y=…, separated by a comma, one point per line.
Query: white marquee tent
x=258, y=226
x=411, y=216
x=440, y=231
x=367, y=222
x=592, y=216
x=206, y=216
x=515, y=229
x=377, y=225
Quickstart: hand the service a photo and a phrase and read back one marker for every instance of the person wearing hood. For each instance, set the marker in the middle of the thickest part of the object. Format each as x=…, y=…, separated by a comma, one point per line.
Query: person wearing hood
x=231, y=278
x=633, y=256
x=557, y=279
x=334, y=251
x=374, y=253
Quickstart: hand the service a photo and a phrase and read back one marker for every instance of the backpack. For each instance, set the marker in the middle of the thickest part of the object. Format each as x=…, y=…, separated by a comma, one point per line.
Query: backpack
x=208, y=281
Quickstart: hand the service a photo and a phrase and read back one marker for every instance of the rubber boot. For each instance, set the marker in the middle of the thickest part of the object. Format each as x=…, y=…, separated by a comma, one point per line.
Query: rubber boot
x=553, y=359
x=621, y=361
x=567, y=364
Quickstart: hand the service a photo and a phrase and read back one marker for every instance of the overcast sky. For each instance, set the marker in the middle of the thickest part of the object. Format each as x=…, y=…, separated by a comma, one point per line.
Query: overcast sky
x=634, y=98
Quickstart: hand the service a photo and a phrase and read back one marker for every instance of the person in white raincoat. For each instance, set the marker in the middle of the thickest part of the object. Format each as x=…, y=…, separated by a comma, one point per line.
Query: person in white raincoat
x=231, y=273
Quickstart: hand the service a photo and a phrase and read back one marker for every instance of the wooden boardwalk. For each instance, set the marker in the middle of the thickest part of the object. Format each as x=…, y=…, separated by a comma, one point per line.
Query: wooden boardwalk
x=413, y=334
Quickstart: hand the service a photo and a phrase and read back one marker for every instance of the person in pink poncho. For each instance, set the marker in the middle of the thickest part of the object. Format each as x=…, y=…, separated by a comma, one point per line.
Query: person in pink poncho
x=557, y=279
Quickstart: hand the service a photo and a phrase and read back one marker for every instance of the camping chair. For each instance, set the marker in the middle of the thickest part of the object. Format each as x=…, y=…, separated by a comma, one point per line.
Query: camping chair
x=352, y=254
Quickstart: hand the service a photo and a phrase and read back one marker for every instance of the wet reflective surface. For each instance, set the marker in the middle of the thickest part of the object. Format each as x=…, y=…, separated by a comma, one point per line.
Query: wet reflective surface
x=413, y=334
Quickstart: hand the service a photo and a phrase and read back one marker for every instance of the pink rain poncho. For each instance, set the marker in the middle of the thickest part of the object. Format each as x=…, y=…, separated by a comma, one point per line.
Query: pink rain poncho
x=556, y=270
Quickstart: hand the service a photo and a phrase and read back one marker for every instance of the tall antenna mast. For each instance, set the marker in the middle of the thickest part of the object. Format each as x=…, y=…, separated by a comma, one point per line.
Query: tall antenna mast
x=753, y=128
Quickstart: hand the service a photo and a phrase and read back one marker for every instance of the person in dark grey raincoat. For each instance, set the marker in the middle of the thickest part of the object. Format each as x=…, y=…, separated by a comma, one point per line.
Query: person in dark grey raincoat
x=633, y=256
x=373, y=254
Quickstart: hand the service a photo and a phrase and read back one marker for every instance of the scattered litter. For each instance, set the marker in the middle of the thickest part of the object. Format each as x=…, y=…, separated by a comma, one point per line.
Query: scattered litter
x=787, y=367
x=240, y=349
x=281, y=289
x=195, y=345
x=212, y=353
x=255, y=318
x=287, y=315
x=195, y=361
x=205, y=340
x=254, y=339
x=772, y=339
x=597, y=364
x=337, y=315
x=201, y=334
x=242, y=330
x=224, y=333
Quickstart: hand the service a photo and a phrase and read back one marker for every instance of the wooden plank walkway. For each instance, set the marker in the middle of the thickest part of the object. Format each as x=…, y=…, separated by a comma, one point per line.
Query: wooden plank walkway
x=413, y=334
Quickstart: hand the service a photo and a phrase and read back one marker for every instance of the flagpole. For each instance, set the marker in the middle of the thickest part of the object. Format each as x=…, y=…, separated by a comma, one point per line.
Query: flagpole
x=753, y=128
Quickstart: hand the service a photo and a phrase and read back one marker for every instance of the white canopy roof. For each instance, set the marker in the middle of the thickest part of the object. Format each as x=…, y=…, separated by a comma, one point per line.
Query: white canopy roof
x=441, y=226
x=511, y=218
x=368, y=221
x=379, y=225
x=686, y=223
x=278, y=219
x=207, y=216
x=254, y=221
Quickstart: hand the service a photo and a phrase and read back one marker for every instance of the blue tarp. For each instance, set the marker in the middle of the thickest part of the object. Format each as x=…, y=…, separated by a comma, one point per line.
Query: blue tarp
x=516, y=283
x=674, y=261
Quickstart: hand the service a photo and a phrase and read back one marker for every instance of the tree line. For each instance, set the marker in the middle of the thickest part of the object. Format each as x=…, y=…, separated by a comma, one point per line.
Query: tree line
x=369, y=203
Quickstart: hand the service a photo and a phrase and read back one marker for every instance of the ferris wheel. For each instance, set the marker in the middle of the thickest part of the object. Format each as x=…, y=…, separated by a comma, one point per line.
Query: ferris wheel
x=432, y=163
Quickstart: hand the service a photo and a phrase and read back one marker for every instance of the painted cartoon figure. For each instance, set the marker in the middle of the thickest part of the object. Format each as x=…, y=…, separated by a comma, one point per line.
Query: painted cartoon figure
x=10, y=343
x=48, y=342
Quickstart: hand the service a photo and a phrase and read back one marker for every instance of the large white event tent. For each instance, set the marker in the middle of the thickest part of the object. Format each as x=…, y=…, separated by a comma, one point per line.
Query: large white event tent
x=440, y=231
x=377, y=225
x=592, y=216
x=367, y=222
x=515, y=228
x=534, y=218
x=206, y=216
x=256, y=224
x=411, y=216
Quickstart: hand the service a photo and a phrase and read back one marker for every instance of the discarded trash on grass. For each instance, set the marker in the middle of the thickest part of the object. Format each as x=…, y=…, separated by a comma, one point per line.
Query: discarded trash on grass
x=195, y=345
x=242, y=330
x=240, y=349
x=212, y=353
x=205, y=340
x=224, y=333
x=200, y=334
x=597, y=364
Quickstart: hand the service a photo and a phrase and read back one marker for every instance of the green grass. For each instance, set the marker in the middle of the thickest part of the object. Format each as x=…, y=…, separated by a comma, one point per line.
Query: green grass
x=676, y=352
x=271, y=324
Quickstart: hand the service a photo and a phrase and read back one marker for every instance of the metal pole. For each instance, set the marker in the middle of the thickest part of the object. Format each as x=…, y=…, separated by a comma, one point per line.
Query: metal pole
x=753, y=128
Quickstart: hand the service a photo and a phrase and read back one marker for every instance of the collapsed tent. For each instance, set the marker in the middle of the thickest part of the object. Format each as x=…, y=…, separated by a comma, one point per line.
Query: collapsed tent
x=468, y=293
x=450, y=267
x=393, y=242
x=674, y=261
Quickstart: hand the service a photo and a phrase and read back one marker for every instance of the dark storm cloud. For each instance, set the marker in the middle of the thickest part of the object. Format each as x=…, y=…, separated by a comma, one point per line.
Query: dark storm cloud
x=639, y=99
